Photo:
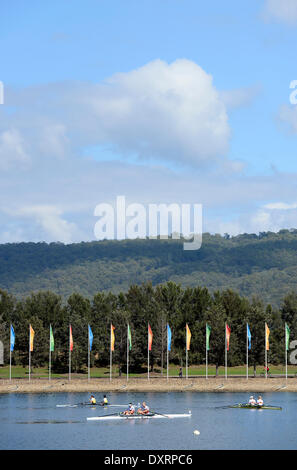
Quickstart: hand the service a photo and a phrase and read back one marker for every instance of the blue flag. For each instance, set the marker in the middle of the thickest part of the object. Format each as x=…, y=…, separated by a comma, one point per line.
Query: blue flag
x=168, y=338
x=90, y=337
x=249, y=336
x=12, y=338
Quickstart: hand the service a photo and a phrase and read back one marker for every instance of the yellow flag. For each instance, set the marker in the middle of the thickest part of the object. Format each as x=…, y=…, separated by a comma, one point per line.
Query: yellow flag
x=188, y=337
x=267, y=332
x=32, y=333
x=112, y=328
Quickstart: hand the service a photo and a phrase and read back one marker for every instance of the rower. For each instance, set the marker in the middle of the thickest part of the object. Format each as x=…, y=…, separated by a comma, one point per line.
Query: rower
x=104, y=401
x=252, y=401
x=93, y=400
x=260, y=401
x=130, y=410
x=144, y=409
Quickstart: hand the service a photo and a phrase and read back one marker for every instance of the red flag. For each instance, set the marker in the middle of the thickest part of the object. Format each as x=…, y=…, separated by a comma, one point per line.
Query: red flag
x=228, y=332
x=150, y=338
x=70, y=338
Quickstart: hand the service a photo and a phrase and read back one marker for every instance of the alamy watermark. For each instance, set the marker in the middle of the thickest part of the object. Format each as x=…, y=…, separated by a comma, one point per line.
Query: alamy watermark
x=152, y=221
x=1, y=93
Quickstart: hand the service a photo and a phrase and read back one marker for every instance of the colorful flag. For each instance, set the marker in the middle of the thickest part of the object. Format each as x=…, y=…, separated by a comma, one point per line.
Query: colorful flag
x=228, y=333
x=208, y=330
x=129, y=338
x=52, y=342
x=249, y=336
x=267, y=333
x=32, y=333
x=90, y=337
x=12, y=338
x=287, y=337
x=70, y=338
x=188, y=337
x=112, y=338
x=150, y=338
x=168, y=338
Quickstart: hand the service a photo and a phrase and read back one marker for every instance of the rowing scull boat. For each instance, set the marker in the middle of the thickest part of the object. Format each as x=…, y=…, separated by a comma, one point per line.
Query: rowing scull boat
x=149, y=416
x=75, y=405
x=255, y=407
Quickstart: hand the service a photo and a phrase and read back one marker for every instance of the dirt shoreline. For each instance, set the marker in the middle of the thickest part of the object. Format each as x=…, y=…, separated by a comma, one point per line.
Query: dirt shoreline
x=153, y=385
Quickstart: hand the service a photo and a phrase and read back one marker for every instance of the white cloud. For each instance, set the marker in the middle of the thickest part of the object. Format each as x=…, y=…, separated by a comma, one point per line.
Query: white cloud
x=171, y=112
x=281, y=10
x=280, y=206
x=12, y=151
x=49, y=218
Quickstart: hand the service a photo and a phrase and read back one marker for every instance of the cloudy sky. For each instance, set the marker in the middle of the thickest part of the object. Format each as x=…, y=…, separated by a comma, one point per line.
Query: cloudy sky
x=162, y=101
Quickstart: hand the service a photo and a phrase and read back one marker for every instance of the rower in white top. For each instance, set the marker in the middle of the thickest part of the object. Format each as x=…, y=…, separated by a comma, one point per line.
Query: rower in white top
x=144, y=409
x=252, y=401
x=260, y=401
x=130, y=410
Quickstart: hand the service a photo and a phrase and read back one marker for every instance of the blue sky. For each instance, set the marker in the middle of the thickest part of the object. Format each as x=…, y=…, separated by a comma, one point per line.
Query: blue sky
x=68, y=69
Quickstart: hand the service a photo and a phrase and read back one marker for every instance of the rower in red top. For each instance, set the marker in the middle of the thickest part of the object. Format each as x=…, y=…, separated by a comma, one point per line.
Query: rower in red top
x=144, y=409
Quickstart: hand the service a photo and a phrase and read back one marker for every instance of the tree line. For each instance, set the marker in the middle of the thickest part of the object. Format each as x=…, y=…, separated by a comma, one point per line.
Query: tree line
x=140, y=305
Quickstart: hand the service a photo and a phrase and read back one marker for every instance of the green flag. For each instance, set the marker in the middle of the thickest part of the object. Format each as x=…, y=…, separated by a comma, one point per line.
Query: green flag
x=52, y=342
x=129, y=338
x=287, y=336
x=208, y=330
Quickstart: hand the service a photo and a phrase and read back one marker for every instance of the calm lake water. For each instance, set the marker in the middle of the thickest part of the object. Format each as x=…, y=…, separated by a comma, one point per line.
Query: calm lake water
x=32, y=421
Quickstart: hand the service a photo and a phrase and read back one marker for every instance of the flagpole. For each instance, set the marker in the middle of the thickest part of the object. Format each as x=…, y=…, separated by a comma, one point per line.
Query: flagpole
x=10, y=356
x=162, y=348
x=286, y=352
x=110, y=358
x=247, y=354
x=206, y=368
x=127, y=352
x=69, y=375
x=29, y=355
x=49, y=365
x=226, y=356
x=265, y=351
x=186, y=352
x=148, y=355
x=88, y=353
x=167, y=352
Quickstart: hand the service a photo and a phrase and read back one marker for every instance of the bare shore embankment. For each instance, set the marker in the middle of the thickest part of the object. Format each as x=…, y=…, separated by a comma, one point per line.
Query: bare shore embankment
x=153, y=385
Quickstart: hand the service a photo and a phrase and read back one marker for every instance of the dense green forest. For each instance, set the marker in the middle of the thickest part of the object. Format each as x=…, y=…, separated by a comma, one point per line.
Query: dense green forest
x=139, y=306
x=263, y=265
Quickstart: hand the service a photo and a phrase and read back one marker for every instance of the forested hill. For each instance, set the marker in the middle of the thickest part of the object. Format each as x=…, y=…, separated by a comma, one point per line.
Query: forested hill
x=264, y=265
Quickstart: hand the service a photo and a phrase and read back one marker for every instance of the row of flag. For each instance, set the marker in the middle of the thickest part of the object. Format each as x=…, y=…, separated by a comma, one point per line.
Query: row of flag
x=150, y=341
x=150, y=337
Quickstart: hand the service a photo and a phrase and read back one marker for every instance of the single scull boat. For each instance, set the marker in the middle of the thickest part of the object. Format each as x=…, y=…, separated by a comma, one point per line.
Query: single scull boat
x=75, y=405
x=148, y=416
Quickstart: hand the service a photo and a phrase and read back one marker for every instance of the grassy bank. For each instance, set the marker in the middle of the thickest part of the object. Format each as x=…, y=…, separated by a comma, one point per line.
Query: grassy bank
x=19, y=372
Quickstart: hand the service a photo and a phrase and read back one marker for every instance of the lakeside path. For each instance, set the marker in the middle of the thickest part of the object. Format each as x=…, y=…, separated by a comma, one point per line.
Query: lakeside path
x=153, y=385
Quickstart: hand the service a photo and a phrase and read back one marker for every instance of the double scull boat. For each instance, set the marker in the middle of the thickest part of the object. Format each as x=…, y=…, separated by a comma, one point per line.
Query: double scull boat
x=151, y=415
x=255, y=407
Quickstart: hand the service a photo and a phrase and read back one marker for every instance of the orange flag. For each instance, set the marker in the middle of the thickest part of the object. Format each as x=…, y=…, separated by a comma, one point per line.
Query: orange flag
x=32, y=333
x=70, y=338
x=112, y=338
x=267, y=332
x=150, y=338
x=228, y=333
x=188, y=337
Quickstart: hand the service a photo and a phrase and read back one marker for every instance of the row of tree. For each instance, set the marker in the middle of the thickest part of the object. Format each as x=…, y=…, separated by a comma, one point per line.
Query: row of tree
x=144, y=304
